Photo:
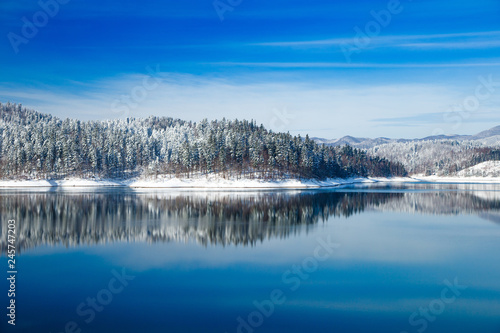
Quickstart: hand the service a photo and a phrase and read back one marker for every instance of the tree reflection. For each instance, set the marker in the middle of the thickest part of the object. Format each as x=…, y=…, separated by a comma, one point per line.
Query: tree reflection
x=239, y=218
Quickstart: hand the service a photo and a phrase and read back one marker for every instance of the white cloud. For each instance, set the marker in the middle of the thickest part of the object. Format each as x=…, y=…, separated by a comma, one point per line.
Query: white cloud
x=360, y=65
x=470, y=40
x=454, y=45
x=323, y=110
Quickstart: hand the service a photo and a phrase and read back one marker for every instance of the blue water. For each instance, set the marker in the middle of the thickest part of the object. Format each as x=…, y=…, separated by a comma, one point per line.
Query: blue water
x=417, y=258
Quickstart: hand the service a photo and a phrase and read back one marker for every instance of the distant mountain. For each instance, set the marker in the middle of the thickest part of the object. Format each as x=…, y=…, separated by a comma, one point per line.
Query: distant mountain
x=444, y=137
x=495, y=131
x=355, y=142
x=487, y=137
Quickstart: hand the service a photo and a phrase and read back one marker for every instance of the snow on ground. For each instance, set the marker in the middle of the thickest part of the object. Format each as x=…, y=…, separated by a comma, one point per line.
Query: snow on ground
x=73, y=182
x=485, y=169
x=199, y=182
x=456, y=179
x=486, y=172
x=217, y=182
x=482, y=173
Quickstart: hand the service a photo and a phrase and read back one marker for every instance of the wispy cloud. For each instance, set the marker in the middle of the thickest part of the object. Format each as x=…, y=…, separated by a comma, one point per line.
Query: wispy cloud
x=439, y=117
x=429, y=118
x=321, y=42
x=356, y=65
x=340, y=109
x=482, y=39
x=455, y=45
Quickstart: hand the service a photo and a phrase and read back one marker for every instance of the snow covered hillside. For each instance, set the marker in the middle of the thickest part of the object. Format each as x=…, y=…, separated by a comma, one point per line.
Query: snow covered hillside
x=485, y=169
x=36, y=146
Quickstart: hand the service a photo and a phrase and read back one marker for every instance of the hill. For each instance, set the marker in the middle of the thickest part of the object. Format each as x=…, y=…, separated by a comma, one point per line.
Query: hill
x=484, y=169
x=441, y=155
x=40, y=146
x=488, y=137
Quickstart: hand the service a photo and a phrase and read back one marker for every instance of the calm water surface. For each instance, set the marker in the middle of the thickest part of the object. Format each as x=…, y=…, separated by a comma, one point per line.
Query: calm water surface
x=412, y=258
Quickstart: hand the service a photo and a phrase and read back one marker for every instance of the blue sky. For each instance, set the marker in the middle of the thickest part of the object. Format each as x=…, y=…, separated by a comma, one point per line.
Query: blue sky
x=327, y=68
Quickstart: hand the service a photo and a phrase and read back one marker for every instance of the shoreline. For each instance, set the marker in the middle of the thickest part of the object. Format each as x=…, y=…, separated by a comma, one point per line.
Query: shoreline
x=187, y=183
x=219, y=183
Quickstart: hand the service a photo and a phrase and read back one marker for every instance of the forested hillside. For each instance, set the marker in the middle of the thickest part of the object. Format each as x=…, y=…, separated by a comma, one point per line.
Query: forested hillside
x=437, y=157
x=35, y=145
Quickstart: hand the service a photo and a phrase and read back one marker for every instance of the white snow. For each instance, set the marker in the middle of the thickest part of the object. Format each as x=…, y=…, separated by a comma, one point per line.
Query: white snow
x=199, y=182
x=72, y=182
x=485, y=169
x=486, y=172
x=460, y=180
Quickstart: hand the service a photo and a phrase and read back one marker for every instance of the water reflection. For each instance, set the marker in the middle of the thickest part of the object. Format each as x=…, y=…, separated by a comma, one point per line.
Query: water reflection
x=239, y=218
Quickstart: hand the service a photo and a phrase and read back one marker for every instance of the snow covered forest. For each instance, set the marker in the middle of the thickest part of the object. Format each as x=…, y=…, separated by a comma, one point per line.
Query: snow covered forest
x=39, y=146
x=437, y=157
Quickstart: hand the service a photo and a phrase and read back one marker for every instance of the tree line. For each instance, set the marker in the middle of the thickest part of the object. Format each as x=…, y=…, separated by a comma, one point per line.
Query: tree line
x=36, y=145
x=437, y=157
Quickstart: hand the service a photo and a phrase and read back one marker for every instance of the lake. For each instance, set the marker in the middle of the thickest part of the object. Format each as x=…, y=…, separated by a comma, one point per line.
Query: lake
x=380, y=258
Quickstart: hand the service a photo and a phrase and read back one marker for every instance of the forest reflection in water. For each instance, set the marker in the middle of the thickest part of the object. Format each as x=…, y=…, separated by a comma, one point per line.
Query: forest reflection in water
x=73, y=218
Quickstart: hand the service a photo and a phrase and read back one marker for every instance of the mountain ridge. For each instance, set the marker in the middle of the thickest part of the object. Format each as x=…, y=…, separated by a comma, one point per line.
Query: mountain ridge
x=366, y=143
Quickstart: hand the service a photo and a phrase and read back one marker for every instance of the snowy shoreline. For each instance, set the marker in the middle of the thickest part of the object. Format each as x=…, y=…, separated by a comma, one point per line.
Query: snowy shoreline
x=455, y=180
x=212, y=182
x=220, y=183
